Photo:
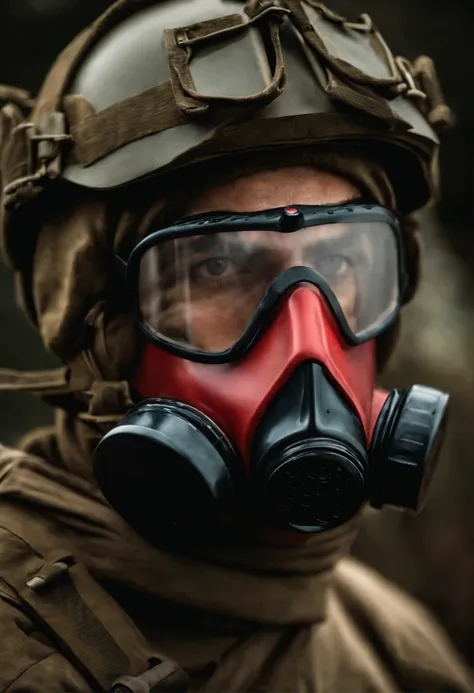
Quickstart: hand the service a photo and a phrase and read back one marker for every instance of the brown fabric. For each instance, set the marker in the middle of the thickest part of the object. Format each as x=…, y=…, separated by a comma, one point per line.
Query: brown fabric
x=342, y=75
x=14, y=145
x=269, y=619
x=179, y=45
x=19, y=97
x=80, y=618
x=438, y=112
x=309, y=32
x=56, y=601
x=40, y=382
x=111, y=550
x=151, y=111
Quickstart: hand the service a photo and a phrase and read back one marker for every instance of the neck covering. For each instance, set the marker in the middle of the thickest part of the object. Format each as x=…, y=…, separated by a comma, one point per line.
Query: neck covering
x=260, y=618
x=252, y=581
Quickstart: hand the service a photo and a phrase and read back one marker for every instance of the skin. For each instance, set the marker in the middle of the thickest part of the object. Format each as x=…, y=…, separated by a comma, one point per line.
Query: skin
x=213, y=305
x=277, y=188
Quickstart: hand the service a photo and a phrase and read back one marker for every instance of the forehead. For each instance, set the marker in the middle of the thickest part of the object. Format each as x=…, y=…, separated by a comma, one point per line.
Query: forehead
x=275, y=188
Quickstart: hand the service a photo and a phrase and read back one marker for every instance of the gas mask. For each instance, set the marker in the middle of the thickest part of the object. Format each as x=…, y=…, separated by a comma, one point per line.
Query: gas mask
x=256, y=387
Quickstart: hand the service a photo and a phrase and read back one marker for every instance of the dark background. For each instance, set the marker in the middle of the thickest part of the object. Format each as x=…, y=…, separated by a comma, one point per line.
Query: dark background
x=432, y=554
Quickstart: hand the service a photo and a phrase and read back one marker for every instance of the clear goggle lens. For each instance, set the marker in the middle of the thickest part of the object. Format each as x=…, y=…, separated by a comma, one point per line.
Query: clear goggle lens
x=202, y=291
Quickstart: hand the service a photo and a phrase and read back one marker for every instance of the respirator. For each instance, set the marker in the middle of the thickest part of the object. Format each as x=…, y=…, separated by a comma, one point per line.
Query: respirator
x=256, y=386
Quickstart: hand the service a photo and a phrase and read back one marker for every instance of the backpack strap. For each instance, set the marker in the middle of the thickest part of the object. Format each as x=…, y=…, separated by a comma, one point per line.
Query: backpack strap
x=81, y=618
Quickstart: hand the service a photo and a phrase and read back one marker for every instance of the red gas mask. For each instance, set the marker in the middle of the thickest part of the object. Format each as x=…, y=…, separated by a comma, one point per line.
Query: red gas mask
x=255, y=391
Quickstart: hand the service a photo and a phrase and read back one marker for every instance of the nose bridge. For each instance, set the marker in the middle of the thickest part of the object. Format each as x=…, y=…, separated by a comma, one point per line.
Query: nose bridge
x=306, y=317
x=311, y=331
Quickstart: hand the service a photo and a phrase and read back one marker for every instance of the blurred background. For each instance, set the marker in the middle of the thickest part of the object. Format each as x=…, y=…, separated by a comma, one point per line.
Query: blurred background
x=432, y=554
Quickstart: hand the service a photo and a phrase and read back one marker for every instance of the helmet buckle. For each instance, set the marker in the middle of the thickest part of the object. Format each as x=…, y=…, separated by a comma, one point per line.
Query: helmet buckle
x=408, y=86
x=44, y=142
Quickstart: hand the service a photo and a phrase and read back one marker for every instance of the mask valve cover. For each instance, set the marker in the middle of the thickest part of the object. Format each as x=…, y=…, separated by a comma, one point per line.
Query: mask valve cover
x=308, y=455
x=167, y=465
x=405, y=446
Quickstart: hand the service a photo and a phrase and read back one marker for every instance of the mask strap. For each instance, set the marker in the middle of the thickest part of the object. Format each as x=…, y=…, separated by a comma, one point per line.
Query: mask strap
x=108, y=401
x=42, y=383
x=19, y=97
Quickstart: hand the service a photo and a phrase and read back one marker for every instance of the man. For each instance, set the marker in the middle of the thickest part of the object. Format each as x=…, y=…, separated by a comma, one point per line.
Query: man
x=208, y=217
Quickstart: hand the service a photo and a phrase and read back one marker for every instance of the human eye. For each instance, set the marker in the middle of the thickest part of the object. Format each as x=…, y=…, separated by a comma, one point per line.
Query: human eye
x=220, y=261
x=213, y=267
x=334, y=266
x=333, y=258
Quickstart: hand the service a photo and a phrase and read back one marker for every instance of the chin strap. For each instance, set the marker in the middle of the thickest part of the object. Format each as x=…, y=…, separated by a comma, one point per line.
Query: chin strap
x=100, y=401
x=20, y=97
x=42, y=383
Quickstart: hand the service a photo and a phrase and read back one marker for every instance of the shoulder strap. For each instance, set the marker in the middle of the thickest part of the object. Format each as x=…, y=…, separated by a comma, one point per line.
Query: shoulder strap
x=85, y=622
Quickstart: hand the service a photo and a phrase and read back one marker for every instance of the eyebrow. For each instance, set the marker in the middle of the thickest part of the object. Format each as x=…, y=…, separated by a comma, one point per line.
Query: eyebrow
x=207, y=243
x=357, y=199
x=201, y=243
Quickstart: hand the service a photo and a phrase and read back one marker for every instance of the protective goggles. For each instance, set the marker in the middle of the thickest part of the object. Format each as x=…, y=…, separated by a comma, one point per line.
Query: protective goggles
x=206, y=287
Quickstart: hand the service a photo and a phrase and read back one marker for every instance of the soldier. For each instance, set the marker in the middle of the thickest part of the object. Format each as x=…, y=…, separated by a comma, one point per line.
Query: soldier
x=208, y=214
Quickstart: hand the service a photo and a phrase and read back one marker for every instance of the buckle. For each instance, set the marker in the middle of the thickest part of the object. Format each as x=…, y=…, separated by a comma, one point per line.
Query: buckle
x=165, y=675
x=257, y=9
x=363, y=24
x=20, y=97
x=408, y=86
x=440, y=116
x=108, y=402
x=50, y=572
x=399, y=80
x=44, y=144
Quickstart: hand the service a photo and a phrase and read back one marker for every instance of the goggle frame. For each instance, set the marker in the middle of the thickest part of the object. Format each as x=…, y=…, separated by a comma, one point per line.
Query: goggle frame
x=286, y=219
